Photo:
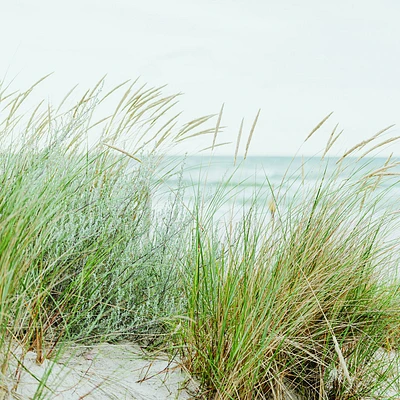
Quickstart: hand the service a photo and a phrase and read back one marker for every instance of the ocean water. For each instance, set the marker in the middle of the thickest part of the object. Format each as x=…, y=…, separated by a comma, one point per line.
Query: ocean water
x=234, y=187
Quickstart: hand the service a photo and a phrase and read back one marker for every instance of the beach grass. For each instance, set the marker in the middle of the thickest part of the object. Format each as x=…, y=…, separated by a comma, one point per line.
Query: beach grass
x=299, y=305
x=81, y=259
x=298, y=298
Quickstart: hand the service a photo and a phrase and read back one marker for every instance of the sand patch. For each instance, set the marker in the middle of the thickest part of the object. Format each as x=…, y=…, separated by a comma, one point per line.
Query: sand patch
x=105, y=371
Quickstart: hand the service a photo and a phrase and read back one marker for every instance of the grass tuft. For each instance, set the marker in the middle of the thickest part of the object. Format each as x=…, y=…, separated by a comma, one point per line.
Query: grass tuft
x=297, y=299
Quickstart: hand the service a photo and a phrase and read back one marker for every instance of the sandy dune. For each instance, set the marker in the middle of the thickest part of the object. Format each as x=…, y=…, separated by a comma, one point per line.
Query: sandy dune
x=104, y=371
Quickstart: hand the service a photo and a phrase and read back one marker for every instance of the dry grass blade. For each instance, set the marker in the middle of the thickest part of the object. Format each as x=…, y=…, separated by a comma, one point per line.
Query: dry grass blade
x=7, y=96
x=163, y=106
x=33, y=115
x=339, y=352
x=199, y=133
x=364, y=143
x=81, y=101
x=216, y=145
x=332, y=140
x=382, y=169
x=379, y=145
x=157, y=115
x=115, y=89
x=49, y=115
x=217, y=126
x=139, y=100
x=165, y=128
x=124, y=97
x=38, y=82
x=251, y=133
x=66, y=97
x=379, y=178
x=20, y=98
x=318, y=126
x=166, y=134
x=122, y=151
x=388, y=160
x=331, y=136
x=98, y=84
x=3, y=91
x=238, y=141
x=99, y=122
x=388, y=174
x=193, y=124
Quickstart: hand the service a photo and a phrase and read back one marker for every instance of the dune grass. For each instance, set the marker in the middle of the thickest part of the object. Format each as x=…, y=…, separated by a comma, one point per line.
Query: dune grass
x=80, y=256
x=301, y=305
x=298, y=299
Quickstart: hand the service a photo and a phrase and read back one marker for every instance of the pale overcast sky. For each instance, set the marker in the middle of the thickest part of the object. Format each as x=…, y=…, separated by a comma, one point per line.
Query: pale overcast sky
x=296, y=60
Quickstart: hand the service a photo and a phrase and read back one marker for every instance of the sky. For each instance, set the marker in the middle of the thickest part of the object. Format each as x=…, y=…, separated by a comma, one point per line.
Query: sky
x=297, y=61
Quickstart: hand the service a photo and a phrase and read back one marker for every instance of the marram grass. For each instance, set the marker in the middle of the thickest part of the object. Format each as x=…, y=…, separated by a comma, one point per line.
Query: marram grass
x=299, y=299
x=81, y=255
x=306, y=305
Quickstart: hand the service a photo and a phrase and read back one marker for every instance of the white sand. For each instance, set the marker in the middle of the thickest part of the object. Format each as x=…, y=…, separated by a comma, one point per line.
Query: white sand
x=104, y=371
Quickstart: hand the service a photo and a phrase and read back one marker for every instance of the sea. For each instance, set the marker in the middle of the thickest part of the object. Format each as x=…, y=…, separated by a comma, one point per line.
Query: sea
x=233, y=186
x=224, y=191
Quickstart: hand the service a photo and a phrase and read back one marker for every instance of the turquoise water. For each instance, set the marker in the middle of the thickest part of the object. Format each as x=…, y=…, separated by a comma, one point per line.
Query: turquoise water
x=227, y=191
x=287, y=176
x=255, y=170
